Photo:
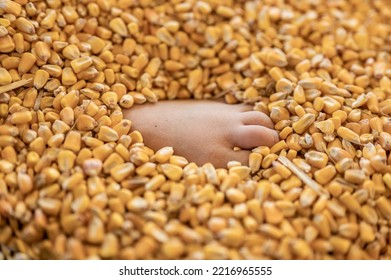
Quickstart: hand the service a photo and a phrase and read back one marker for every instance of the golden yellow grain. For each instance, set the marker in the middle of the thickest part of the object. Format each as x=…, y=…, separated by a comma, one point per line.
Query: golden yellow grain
x=78, y=183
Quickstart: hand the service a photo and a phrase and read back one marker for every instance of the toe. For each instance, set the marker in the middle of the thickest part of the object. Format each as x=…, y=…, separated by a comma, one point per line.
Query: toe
x=244, y=107
x=251, y=136
x=256, y=118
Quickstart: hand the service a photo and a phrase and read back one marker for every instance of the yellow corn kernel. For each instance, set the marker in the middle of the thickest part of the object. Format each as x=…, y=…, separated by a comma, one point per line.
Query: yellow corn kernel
x=40, y=78
x=172, y=66
x=274, y=57
x=311, y=83
x=303, y=123
x=235, y=196
x=120, y=172
x=282, y=170
x=284, y=85
x=107, y=134
x=150, y=95
x=68, y=77
x=27, y=61
x=325, y=175
x=21, y=117
x=24, y=25
x=5, y=77
x=42, y=50
x=330, y=105
x=80, y=64
x=355, y=176
x=276, y=73
x=384, y=205
x=140, y=62
x=71, y=52
x=349, y=135
x=165, y=36
x=316, y=159
x=118, y=25
x=173, y=172
x=110, y=99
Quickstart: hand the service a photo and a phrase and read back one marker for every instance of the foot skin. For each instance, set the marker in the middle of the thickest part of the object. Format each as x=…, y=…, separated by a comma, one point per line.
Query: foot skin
x=203, y=130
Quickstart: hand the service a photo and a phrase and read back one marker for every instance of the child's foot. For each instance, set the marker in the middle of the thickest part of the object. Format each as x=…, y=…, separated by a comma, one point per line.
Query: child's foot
x=203, y=130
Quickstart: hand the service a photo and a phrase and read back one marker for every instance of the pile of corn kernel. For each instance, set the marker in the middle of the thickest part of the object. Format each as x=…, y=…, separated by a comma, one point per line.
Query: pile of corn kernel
x=77, y=183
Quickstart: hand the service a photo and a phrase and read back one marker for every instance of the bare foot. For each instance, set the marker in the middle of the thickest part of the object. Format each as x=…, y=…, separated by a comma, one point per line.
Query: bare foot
x=203, y=130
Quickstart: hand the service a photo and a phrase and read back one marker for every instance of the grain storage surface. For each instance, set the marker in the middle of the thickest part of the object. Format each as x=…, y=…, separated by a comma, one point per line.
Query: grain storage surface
x=76, y=183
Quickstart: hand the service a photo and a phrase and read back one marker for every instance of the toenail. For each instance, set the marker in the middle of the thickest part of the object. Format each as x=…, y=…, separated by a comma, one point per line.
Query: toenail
x=276, y=137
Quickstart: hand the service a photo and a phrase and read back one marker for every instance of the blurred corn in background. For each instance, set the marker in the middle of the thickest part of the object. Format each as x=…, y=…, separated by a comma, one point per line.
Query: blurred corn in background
x=75, y=183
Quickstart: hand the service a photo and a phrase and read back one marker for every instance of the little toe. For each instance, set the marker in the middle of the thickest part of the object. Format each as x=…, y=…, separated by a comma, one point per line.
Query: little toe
x=251, y=136
x=256, y=118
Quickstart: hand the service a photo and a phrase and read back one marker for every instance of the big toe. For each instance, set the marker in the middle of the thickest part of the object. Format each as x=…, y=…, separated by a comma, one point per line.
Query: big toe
x=251, y=136
x=256, y=118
